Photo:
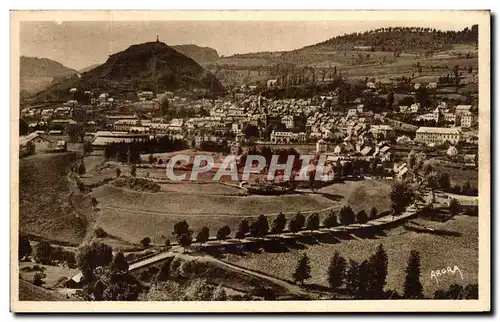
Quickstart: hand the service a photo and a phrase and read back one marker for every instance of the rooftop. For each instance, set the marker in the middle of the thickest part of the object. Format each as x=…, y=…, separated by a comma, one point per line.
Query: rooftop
x=438, y=130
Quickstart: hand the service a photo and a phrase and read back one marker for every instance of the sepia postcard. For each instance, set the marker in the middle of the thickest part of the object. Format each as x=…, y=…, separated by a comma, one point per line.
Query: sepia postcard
x=250, y=161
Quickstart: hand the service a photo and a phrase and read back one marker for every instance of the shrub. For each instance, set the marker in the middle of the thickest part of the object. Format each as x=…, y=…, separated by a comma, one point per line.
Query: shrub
x=38, y=279
x=203, y=235
x=361, y=217
x=330, y=220
x=43, y=252
x=312, y=222
x=243, y=229
x=223, y=232
x=24, y=247
x=145, y=242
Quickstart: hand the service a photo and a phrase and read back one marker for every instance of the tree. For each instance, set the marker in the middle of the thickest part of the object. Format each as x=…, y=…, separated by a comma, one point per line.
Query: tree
x=466, y=189
x=164, y=272
x=151, y=159
x=444, y=181
x=133, y=170
x=352, y=277
x=373, y=213
x=23, y=127
x=223, y=232
x=118, y=172
x=43, y=251
x=119, y=262
x=303, y=270
x=411, y=159
x=361, y=217
x=24, y=247
x=185, y=240
x=379, y=263
x=87, y=147
x=112, y=285
x=260, y=227
x=412, y=285
x=297, y=222
x=251, y=131
x=243, y=229
x=91, y=256
x=365, y=278
x=330, y=220
x=390, y=100
x=312, y=222
x=401, y=196
x=81, y=168
x=278, y=224
x=182, y=227
x=203, y=235
x=427, y=168
x=454, y=207
x=346, y=216
x=145, y=242
x=38, y=279
x=167, y=244
x=336, y=271
x=471, y=291
x=432, y=180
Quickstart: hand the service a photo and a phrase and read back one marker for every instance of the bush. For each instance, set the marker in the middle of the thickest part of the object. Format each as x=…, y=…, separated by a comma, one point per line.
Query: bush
x=81, y=168
x=361, y=217
x=38, y=268
x=137, y=184
x=43, y=252
x=24, y=247
x=223, y=232
x=203, y=235
x=312, y=222
x=330, y=220
x=100, y=233
x=145, y=242
x=38, y=279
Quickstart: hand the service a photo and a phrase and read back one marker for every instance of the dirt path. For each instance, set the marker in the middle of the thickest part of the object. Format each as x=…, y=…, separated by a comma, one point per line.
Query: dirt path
x=291, y=288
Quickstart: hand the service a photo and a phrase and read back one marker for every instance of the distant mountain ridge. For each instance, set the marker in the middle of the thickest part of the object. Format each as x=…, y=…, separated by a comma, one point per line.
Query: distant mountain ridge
x=148, y=66
x=200, y=54
x=38, y=73
x=43, y=67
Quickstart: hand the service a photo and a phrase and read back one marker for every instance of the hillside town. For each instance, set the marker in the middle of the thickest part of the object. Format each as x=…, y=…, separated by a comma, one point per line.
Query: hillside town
x=155, y=176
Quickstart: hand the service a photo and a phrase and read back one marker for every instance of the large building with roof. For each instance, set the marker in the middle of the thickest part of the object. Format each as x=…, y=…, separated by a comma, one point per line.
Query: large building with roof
x=437, y=135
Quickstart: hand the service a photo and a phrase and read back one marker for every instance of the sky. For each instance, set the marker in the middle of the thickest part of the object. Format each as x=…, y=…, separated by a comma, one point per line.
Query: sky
x=78, y=44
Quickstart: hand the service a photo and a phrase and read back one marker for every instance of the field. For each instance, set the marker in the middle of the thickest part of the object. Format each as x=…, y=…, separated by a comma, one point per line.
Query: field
x=30, y=292
x=437, y=252
x=458, y=175
x=130, y=216
x=362, y=195
x=53, y=273
x=382, y=65
x=43, y=198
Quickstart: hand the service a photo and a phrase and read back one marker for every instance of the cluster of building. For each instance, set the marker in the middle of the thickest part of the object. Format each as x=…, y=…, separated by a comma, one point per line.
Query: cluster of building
x=277, y=121
x=462, y=117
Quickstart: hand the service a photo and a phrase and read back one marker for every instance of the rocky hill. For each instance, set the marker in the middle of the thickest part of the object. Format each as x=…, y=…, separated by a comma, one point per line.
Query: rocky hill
x=38, y=73
x=201, y=54
x=148, y=66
